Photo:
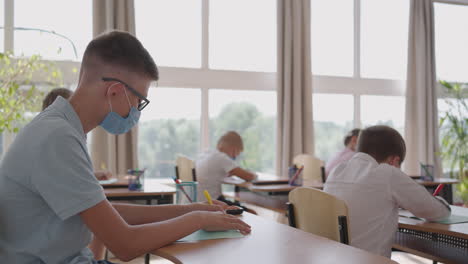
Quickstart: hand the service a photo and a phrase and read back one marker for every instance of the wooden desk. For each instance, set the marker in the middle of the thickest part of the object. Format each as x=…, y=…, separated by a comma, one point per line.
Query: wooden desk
x=121, y=183
x=278, y=187
x=269, y=242
x=153, y=190
x=439, y=242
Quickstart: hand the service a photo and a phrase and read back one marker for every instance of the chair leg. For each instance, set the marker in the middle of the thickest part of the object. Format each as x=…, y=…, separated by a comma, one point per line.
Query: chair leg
x=291, y=217
x=343, y=228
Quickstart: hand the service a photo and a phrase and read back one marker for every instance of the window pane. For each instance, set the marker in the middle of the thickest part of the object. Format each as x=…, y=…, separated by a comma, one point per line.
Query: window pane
x=457, y=112
x=243, y=35
x=383, y=110
x=331, y=123
x=332, y=37
x=70, y=20
x=170, y=31
x=253, y=115
x=169, y=125
x=451, y=41
x=384, y=38
x=2, y=20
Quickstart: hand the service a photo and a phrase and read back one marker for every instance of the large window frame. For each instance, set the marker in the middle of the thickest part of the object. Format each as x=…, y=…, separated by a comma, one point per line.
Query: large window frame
x=205, y=78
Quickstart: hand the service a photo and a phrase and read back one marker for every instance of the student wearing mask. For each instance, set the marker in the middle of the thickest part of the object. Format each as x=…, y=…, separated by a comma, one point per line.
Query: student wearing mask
x=51, y=202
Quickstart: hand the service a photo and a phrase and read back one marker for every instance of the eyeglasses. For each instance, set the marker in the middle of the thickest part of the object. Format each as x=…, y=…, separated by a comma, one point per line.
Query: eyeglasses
x=143, y=101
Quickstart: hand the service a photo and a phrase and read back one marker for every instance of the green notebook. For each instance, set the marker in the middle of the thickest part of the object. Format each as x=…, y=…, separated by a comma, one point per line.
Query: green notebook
x=454, y=219
x=205, y=235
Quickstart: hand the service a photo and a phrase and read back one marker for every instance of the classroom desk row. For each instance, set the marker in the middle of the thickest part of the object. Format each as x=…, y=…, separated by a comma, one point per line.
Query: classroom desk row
x=439, y=242
x=269, y=242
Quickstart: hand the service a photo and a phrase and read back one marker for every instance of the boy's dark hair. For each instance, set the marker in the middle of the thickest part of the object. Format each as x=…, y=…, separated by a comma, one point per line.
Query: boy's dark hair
x=52, y=95
x=381, y=142
x=350, y=135
x=122, y=49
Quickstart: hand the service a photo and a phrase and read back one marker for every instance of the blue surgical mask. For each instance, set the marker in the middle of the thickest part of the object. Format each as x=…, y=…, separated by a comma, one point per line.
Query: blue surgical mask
x=116, y=124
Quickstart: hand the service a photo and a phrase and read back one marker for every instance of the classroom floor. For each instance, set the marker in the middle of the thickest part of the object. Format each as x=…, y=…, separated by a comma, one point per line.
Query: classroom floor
x=400, y=257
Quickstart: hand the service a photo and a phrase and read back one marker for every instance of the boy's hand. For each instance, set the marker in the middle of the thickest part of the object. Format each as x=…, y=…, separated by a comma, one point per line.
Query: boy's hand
x=218, y=221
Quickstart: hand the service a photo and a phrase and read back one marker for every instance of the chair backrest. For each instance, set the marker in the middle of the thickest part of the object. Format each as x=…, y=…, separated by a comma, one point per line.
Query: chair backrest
x=312, y=167
x=185, y=169
x=318, y=212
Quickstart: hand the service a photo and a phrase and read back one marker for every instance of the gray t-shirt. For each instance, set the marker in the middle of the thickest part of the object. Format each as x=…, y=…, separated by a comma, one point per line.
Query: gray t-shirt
x=46, y=180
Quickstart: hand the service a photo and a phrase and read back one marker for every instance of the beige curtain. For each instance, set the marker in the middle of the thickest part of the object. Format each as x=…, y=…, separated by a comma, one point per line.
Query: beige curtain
x=117, y=153
x=294, y=127
x=421, y=126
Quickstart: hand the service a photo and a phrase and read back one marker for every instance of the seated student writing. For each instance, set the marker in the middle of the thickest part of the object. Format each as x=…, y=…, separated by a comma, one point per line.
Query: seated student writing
x=66, y=94
x=50, y=202
x=213, y=166
x=373, y=186
x=350, y=142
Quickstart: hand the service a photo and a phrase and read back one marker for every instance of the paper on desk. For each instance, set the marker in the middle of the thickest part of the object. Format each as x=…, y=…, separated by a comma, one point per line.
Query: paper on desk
x=205, y=235
x=110, y=181
x=454, y=219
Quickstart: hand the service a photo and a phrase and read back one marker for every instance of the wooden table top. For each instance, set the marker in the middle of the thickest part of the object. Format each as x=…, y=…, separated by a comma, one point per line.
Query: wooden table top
x=269, y=178
x=456, y=230
x=151, y=187
x=437, y=181
x=269, y=242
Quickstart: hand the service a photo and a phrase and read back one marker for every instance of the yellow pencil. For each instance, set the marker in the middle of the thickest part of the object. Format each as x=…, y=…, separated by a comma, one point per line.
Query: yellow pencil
x=208, y=197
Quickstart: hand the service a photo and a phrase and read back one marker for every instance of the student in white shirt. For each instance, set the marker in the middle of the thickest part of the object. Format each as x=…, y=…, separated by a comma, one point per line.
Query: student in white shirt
x=350, y=142
x=214, y=165
x=373, y=186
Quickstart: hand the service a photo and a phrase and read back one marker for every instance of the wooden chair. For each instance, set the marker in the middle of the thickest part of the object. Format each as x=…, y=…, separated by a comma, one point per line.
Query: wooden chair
x=319, y=213
x=185, y=169
x=313, y=167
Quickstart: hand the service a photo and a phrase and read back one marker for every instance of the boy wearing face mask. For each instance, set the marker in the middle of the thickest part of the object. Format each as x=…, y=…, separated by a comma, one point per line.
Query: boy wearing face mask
x=213, y=166
x=50, y=202
x=373, y=187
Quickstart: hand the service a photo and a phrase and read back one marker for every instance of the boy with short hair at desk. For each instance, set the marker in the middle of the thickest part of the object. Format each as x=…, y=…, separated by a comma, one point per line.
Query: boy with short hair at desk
x=214, y=165
x=51, y=204
x=373, y=187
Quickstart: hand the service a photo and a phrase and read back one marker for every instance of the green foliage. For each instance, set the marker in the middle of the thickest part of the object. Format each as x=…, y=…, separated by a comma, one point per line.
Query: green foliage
x=329, y=138
x=462, y=189
x=160, y=141
x=257, y=131
x=19, y=95
x=454, y=134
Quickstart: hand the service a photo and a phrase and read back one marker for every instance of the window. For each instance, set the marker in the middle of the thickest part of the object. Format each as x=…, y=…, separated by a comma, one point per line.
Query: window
x=169, y=125
x=451, y=41
x=384, y=38
x=242, y=35
x=171, y=31
x=383, y=110
x=35, y=22
x=333, y=119
x=253, y=115
x=332, y=37
x=2, y=32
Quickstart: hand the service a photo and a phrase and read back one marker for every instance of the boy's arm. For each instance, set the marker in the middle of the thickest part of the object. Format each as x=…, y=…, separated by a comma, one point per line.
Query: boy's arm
x=415, y=198
x=244, y=174
x=135, y=214
x=129, y=241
